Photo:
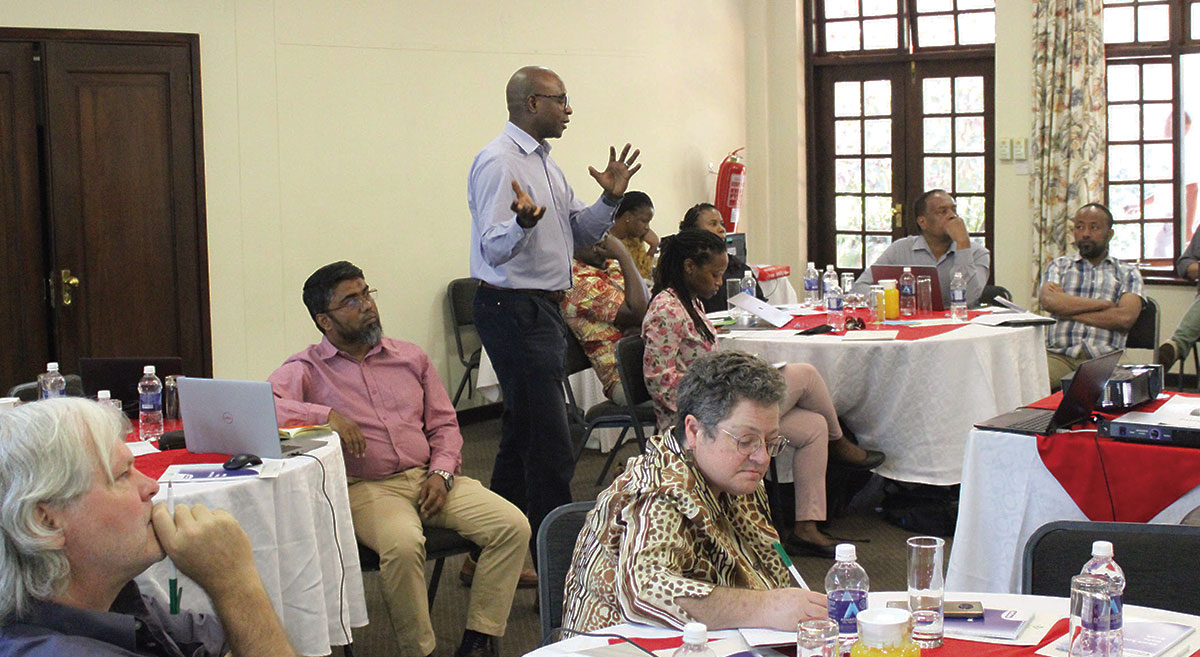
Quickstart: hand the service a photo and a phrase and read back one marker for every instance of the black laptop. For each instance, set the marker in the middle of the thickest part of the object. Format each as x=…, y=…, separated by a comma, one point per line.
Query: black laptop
x=1077, y=403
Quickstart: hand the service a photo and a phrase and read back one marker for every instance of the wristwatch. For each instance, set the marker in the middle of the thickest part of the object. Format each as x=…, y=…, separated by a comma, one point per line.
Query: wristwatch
x=449, y=478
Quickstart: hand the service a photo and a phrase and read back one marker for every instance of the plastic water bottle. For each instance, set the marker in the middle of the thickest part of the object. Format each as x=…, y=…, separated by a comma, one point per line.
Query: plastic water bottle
x=834, y=312
x=51, y=384
x=105, y=397
x=695, y=642
x=908, y=293
x=958, y=297
x=812, y=286
x=150, y=415
x=846, y=587
x=828, y=280
x=1103, y=565
x=747, y=283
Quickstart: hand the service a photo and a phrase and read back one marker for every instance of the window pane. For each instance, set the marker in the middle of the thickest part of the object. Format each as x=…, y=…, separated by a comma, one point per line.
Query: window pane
x=879, y=137
x=1156, y=82
x=968, y=94
x=934, y=5
x=971, y=209
x=849, y=252
x=935, y=31
x=1124, y=163
x=968, y=132
x=1159, y=203
x=937, y=173
x=876, y=245
x=879, y=213
x=841, y=8
x=1123, y=83
x=841, y=36
x=846, y=99
x=879, y=8
x=1157, y=162
x=879, y=175
x=1196, y=20
x=1123, y=122
x=1158, y=240
x=849, y=213
x=849, y=175
x=977, y=28
x=879, y=34
x=1158, y=121
x=1153, y=23
x=969, y=176
x=937, y=136
x=1126, y=241
x=976, y=4
x=1125, y=201
x=848, y=137
x=1118, y=24
x=879, y=97
x=935, y=95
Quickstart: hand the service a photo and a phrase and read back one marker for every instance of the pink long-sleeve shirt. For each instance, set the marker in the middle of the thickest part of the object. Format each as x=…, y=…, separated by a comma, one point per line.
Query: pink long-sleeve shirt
x=394, y=395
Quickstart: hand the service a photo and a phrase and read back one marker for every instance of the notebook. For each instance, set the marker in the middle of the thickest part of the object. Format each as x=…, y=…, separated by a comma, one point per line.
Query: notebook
x=1077, y=403
x=231, y=417
x=884, y=272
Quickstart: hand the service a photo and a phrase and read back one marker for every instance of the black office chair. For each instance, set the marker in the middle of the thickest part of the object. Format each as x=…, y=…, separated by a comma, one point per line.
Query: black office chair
x=638, y=410
x=1158, y=560
x=28, y=392
x=440, y=543
x=556, y=547
x=461, y=293
x=990, y=292
x=1144, y=334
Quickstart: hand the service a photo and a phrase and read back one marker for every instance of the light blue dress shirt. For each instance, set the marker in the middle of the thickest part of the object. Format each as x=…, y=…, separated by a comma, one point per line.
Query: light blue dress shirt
x=502, y=252
x=974, y=262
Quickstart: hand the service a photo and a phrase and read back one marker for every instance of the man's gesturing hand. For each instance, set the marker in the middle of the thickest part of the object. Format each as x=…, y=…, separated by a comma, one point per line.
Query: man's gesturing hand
x=615, y=177
x=528, y=212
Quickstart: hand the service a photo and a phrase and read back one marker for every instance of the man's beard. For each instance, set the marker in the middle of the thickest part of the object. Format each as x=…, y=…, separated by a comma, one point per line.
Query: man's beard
x=368, y=334
x=1089, y=249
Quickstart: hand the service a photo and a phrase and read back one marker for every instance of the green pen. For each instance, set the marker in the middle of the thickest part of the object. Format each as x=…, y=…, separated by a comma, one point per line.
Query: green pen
x=175, y=592
x=787, y=561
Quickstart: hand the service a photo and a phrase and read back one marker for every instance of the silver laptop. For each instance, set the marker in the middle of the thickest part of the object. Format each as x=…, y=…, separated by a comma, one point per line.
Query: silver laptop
x=229, y=417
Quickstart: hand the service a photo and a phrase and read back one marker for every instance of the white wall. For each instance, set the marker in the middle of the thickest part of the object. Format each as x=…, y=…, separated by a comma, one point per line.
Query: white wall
x=345, y=130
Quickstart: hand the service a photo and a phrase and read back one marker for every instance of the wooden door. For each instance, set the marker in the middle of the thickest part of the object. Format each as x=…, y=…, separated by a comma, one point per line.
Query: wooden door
x=125, y=208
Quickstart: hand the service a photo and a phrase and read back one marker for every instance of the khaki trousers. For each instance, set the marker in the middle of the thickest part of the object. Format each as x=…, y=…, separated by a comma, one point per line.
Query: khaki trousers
x=1060, y=365
x=386, y=520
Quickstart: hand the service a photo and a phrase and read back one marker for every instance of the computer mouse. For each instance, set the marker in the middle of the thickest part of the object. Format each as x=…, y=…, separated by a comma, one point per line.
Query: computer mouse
x=239, y=461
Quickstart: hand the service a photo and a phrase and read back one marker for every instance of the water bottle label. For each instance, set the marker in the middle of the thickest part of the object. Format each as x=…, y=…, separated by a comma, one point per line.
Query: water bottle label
x=958, y=296
x=149, y=402
x=1114, y=612
x=844, y=607
x=810, y=284
x=908, y=291
x=835, y=304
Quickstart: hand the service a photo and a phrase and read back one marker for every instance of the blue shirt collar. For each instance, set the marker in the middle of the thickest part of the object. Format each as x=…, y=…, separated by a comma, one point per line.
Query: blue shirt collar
x=524, y=140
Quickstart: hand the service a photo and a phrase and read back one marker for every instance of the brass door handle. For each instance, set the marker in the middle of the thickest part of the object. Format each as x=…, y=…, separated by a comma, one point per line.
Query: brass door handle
x=898, y=215
x=68, y=283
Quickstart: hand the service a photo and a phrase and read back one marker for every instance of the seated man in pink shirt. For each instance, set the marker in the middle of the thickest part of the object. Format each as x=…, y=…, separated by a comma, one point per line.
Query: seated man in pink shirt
x=402, y=446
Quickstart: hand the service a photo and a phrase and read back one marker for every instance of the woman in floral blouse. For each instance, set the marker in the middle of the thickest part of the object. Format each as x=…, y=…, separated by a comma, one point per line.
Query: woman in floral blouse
x=691, y=267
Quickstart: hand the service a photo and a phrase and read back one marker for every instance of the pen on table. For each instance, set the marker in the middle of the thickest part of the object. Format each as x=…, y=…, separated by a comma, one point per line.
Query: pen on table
x=787, y=561
x=176, y=592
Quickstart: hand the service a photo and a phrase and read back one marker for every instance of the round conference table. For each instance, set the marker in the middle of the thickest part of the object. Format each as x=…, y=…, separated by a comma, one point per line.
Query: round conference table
x=303, y=539
x=916, y=400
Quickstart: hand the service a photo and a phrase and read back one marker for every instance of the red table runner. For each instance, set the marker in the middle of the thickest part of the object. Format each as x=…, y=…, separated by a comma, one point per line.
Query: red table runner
x=153, y=465
x=801, y=322
x=1143, y=479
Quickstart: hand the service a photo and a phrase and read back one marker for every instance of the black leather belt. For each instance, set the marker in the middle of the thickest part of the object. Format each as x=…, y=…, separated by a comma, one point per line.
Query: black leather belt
x=555, y=296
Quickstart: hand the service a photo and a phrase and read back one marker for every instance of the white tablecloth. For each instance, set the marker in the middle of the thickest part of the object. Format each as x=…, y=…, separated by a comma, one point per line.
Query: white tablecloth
x=1007, y=493
x=915, y=400
x=316, y=587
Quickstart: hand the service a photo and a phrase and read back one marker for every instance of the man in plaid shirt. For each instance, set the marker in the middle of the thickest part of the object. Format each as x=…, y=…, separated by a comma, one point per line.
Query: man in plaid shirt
x=1095, y=297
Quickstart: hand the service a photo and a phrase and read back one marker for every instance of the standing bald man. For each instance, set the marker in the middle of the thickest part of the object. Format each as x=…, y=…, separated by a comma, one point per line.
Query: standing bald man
x=525, y=224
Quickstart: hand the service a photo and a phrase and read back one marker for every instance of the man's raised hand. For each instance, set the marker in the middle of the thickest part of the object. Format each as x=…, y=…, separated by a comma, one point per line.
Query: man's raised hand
x=615, y=177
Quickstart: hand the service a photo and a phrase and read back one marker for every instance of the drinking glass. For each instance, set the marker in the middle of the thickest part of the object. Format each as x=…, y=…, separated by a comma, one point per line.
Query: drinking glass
x=926, y=589
x=924, y=294
x=817, y=638
x=733, y=287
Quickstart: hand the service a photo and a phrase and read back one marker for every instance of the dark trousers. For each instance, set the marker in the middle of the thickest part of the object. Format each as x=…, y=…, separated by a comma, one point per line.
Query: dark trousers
x=524, y=337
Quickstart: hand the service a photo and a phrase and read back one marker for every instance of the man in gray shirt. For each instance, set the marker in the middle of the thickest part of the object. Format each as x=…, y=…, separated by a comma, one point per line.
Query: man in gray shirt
x=943, y=243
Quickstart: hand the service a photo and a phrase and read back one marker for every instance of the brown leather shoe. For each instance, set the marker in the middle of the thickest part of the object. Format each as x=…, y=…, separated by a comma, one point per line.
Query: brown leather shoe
x=1168, y=353
x=527, y=580
x=481, y=645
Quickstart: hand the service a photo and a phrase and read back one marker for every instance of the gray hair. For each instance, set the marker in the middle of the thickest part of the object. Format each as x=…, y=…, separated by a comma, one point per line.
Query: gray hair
x=50, y=452
x=717, y=381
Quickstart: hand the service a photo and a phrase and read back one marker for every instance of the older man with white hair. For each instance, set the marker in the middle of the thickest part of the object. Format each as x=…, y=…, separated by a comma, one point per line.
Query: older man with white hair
x=78, y=525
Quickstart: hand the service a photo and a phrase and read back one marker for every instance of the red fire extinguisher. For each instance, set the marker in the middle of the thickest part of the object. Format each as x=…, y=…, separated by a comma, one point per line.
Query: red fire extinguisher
x=731, y=180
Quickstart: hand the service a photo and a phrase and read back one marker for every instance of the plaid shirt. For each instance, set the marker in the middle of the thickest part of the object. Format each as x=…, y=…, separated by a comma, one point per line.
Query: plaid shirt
x=1111, y=280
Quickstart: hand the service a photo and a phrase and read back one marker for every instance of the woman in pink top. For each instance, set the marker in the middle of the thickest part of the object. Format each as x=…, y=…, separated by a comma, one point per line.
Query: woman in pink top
x=691, y=267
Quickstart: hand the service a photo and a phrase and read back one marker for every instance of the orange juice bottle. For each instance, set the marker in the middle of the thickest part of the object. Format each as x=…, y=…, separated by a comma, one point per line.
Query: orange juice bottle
x=891, y=299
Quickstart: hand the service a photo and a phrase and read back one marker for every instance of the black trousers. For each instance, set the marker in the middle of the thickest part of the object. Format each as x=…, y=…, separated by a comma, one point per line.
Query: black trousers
x=524, y=337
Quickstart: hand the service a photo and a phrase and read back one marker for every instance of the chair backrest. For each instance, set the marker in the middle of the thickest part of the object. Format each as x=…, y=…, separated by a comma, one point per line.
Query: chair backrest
x=28, y=392
x=629, y=366
x=577, y=359
x=555, y=548
x=461, y=292
x=1158, y=560
x=1144, y=334
x=990, y=292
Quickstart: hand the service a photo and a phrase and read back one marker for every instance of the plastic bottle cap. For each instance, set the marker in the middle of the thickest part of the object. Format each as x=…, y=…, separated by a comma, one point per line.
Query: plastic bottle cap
x=695, y=633
x=103, y=394
x=908, y=270
x=845, y=552
x=51, y=367
x=1102, y=549
x=882, y=627
x=149, y=369
x=812, y=265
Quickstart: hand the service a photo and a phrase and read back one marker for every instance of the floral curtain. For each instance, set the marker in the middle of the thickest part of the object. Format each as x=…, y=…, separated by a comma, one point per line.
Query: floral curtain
x=1069, y=125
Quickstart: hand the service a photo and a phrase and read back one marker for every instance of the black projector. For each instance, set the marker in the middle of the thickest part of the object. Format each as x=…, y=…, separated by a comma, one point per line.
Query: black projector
x=1128, y=386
